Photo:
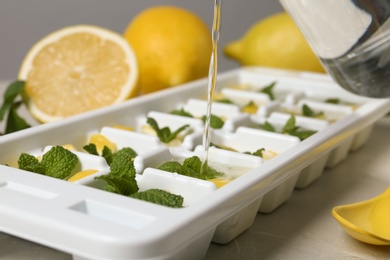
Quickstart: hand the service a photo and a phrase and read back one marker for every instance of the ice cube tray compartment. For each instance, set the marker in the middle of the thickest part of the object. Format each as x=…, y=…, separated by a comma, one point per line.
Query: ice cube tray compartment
x=211, y=214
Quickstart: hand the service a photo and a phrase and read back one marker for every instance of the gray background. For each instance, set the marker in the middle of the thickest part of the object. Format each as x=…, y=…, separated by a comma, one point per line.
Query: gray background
x=24, y=22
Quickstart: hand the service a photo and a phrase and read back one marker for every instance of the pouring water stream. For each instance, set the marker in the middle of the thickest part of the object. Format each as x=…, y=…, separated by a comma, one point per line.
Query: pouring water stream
x=212, y=81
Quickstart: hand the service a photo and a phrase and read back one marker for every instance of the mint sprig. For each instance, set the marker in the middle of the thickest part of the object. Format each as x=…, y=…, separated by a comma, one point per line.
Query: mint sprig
x=215, y=121
x=181, y=112
x=258, y=152
x=164, y=134
x=191, y=167
x=58, y=162
x=333, y=101
x=121, y=179
x=160, y=197
x=291, y=129
x=267, y=127
x=307, y=111
x=10, y=106
x=107, y=153
x=269, y=90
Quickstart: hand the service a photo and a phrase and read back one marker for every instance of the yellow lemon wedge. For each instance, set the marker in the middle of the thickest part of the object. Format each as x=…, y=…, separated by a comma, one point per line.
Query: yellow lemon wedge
x=78, y=69
x=69, y=147
x=82, y=174
x=123, y=127
x=220, y=182
x=172, y=44
x=100, y=141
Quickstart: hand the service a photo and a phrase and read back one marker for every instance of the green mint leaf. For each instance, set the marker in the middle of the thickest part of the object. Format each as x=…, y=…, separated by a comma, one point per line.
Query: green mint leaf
x=211, y=174
x=28, y=162
x=110, y=188
x=267, y=127
x=119, y=184
x=290, y=126
x=215, y=121
x=333, y=101
x=269, y=90
x=258, y=152
x=107, y=154
x=122, y=165
x=14, y=121
x=121, y=178
x=177, y=132
x=224, y=101
x=181, y=112
x=302, y=134
x=191, y=167
x=160, y=197
x=13, y=90
x=307, y=111
x=91, y=149
x=59, y=162
x=127, y=150
x=164, y=134
x=173, y=166
x=193, y=163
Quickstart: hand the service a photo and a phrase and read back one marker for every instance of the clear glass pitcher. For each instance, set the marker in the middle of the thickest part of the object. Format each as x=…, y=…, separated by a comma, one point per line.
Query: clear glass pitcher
x=351, y=38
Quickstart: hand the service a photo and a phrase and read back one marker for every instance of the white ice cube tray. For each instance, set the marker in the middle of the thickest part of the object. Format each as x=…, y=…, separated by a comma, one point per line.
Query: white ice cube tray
x=89, y=223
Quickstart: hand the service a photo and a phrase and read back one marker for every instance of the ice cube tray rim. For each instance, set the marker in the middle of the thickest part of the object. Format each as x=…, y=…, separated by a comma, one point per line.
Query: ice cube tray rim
x=249, y=186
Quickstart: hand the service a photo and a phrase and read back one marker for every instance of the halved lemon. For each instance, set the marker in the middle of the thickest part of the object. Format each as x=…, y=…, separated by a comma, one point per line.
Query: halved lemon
x=78, y=69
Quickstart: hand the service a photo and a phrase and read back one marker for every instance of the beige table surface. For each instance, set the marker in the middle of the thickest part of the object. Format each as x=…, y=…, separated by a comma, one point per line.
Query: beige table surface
x=302, y=228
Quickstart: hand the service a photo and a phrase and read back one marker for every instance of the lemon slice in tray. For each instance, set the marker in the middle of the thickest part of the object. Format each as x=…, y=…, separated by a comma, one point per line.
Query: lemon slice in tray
x=78, y=69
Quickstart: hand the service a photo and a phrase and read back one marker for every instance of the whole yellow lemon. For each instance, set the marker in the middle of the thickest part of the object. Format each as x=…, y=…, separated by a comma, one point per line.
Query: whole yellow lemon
x=274, y=41
x=172, y=45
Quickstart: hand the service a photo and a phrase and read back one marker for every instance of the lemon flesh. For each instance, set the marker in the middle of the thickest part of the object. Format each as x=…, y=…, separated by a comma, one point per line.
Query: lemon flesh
x=82, y=174
x=78, y=69
x=100, y=141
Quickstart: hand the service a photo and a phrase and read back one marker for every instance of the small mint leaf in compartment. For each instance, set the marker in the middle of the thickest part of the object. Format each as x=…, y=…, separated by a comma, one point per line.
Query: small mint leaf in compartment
x=91, y=149
x=258, y=152
x=267, y=127
x=269, y=90
x=181, y=112
x=173, y=166
x=290, y=125
x=164, y=134
x=211, y=174
x=193, y=163
x=29, y=163
x=215, y=121
x=121, y=179
x=107, y=154
x=332, y=101
x=160, y=197
x=59, y=162
x=127, y=150
x=307, y=111
x=177, y=132
x=303, y=134
x=119, y=184
x=191, y=167
x=224, y=101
